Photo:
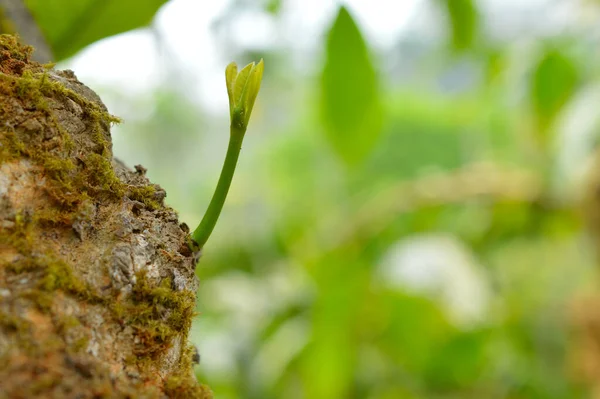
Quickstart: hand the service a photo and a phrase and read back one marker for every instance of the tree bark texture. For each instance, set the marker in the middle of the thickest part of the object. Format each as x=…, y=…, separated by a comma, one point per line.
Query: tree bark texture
x=97, y=282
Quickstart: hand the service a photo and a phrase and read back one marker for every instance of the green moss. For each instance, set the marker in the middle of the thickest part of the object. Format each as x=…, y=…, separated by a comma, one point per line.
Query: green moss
x=181, y=384
x=79, y=344
x=60, y=277
x=52, y=273
x=10, y=148
x=56, y=274
x=68, y=322
x=104, y=177
x=21, y=238
x=14, y=56
x=53, y=216
x=96, y=178
x=144, y=194
x=157, y=313
x=183, y=387
x=15, y=49
x=14, y=324
x=43, y=300
x=30, y=88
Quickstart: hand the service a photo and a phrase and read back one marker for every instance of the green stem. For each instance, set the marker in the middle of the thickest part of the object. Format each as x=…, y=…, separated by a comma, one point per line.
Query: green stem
x=206, y=226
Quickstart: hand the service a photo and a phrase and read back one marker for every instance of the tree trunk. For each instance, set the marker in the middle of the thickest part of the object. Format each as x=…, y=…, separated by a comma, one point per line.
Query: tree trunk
x=97, y=282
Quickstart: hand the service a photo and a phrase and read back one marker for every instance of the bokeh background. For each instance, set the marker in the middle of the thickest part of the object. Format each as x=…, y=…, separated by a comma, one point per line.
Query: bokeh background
x=406, y=220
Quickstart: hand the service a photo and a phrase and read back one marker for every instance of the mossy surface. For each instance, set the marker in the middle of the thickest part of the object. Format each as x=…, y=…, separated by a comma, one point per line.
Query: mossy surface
x=98, y=283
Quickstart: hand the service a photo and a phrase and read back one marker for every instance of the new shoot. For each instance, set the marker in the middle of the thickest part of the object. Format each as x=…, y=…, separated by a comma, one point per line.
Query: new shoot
x=242, y=89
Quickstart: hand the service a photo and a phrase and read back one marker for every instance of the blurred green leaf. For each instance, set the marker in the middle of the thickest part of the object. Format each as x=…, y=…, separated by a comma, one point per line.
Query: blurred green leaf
x=496, y=64
x=273, y=6
x=350, y=99
x=330, y=358
x=463, y=22
x=460, y=362
x=71, y=25
x=553, y=84
x=409, y=313
x=413, y=144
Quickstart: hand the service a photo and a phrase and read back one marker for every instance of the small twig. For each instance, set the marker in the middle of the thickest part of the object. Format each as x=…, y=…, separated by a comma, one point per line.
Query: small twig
x=242, y=89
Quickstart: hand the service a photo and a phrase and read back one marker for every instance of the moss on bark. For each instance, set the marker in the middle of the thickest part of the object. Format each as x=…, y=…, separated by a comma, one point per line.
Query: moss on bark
x=97, y=283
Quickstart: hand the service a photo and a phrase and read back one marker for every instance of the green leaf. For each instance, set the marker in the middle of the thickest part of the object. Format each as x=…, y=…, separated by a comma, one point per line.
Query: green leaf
x=460, y=362
x=350, y=102
x=409, y=313
x=240, y=83
x=463, y=22
x=230, y=74
x=553, y=84
x=70, y=25
x=273, y=6
x=253, y=87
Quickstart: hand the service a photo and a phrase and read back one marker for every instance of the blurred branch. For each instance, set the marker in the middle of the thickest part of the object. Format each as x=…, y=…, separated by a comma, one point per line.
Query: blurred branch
x=476, y=181
x=16, y=18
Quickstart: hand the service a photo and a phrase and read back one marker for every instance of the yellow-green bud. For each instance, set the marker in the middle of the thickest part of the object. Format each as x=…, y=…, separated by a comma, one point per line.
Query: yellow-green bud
x=242, y=89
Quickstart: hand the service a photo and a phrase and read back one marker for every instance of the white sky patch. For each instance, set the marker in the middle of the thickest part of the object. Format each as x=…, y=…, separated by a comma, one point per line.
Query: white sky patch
x=443, y=268
x=134, y=63
x=112, y=62
x=383, y=21
x=186, y=27
x=255, y=29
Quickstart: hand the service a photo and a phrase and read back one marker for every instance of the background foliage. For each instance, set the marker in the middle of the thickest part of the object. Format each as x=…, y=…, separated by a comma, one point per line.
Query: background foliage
x=68, y=26
x=405, y=222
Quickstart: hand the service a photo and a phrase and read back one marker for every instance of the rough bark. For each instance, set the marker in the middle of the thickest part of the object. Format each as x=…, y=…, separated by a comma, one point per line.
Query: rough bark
x=97, y=282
